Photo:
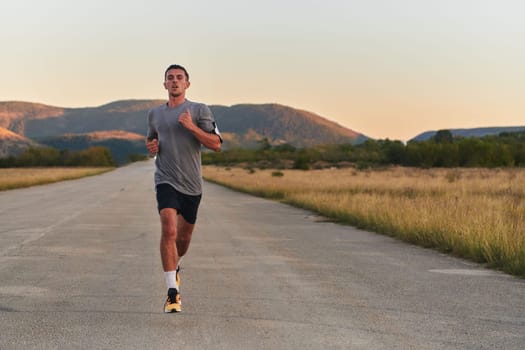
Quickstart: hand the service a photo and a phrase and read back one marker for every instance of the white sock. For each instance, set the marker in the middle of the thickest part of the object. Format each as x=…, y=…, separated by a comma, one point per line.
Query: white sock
x=171, y=279
x=180, y=261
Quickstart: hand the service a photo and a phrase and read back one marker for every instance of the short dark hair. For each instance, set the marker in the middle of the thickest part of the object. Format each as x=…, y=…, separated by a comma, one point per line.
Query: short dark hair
x=176, y=66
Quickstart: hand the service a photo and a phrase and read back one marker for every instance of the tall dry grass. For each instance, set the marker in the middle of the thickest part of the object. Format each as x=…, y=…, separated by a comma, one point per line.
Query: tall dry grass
x=11, y=178
x=478, y=214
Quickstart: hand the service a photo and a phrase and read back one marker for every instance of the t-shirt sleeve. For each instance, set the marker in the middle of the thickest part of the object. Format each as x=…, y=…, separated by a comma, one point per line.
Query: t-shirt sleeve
x=152, y=132
x=206, y=121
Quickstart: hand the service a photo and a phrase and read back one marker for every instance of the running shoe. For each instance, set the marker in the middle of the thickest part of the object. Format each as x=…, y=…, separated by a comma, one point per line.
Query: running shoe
x=173, y=301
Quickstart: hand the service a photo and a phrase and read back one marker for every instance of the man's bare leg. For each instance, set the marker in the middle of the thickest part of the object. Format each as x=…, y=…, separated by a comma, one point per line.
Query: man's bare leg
x=170, y=258
x=174, y=243
x=168, y=249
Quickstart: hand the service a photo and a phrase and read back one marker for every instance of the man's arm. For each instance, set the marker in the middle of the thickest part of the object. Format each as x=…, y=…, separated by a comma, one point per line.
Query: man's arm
x=152, y=142
x=208, y=140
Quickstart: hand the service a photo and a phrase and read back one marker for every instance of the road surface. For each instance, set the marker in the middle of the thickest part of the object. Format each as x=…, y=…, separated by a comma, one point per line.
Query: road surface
x=80, y=269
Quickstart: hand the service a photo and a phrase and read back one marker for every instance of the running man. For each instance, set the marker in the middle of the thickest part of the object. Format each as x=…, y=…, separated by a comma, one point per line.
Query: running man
x=176, y=131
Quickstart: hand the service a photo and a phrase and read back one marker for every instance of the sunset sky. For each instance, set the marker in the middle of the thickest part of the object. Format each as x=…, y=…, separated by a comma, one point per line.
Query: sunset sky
x=385, y=68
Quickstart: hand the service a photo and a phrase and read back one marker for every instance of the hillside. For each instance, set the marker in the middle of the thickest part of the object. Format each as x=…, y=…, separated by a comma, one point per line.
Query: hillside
x=474, y=132
x=122, y=115
x=242, y=125
x=281, y=124
x=13, y=114
x=11, y=144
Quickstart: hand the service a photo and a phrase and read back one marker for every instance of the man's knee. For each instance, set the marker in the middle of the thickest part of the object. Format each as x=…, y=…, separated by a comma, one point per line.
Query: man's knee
x=169, y=232
x=168, y=224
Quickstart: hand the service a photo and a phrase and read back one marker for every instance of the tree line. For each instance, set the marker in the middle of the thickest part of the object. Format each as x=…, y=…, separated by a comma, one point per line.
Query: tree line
x=47, y=156
x=442, y=150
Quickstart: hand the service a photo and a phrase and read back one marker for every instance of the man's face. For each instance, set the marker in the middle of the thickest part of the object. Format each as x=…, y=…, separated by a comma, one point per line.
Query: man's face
x=176, y=82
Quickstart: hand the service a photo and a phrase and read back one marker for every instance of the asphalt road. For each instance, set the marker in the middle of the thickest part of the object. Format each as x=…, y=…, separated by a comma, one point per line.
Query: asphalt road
x=80, y=269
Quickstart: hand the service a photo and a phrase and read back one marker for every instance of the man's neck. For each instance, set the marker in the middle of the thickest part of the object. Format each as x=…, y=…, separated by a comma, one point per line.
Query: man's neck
x=176, y=101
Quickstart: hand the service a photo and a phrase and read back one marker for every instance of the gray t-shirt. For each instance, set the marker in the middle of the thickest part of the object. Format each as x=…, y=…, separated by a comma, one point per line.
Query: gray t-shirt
x=178, y=161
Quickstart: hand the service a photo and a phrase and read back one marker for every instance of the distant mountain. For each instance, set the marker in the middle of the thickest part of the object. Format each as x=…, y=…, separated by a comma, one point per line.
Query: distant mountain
x=241, y=125
x=474, y=132
x=280, y=124
x=12, y=144
x=121, y=115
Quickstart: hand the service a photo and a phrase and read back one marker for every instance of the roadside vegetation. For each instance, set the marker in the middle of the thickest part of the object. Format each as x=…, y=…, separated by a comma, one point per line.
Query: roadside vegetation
x=443, y=150
x=42, y=165
x=474, y=213
x=11, y=178
x=49, y=157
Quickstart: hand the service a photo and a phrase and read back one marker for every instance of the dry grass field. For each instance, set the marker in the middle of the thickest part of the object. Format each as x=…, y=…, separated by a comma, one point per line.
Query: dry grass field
x=477, y=214
x=11, y=178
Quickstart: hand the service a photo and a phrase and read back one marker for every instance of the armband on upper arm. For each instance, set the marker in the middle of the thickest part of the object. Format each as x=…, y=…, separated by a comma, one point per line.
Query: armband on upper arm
x=216, y=131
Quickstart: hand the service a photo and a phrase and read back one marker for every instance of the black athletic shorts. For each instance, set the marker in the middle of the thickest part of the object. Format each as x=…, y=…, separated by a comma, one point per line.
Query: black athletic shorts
x=186, y=205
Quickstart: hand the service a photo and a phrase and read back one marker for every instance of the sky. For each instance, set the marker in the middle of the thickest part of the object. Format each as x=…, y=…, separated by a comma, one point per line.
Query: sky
x=385, y=68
